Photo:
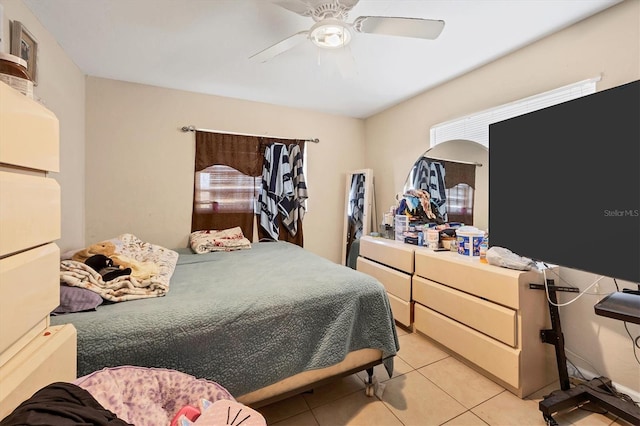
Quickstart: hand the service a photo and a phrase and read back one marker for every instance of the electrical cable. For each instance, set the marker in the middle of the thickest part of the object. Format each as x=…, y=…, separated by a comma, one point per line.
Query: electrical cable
x=611, y=390
x=582, y=376
x=595, y=370
x=558, y=275
x=546, y=290
x=634, y=342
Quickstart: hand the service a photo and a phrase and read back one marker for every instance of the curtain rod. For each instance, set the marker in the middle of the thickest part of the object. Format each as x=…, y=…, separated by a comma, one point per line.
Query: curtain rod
x=192, y=128
x=455, y=161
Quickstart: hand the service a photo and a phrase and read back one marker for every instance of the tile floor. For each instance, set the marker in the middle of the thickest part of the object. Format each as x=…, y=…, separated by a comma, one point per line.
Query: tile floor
x=428, y=387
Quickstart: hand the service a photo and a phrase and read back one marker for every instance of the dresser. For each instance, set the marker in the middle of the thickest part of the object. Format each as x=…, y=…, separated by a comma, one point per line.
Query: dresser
x=486, y=316
x=32, y=353
x=392, y=263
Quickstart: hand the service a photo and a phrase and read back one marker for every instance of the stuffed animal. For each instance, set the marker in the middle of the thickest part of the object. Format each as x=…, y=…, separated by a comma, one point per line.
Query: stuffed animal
x=106, y=248
x=140, y=270
x=105, y=267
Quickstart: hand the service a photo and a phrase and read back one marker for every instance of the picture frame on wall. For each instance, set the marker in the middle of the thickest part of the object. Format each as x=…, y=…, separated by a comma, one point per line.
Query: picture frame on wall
x=25, y=46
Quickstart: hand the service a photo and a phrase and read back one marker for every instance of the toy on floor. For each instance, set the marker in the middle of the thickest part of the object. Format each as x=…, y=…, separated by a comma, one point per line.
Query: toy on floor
x=219, y=413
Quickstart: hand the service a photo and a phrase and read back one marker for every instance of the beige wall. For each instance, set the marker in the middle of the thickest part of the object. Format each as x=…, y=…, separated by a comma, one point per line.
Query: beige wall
x=607, y=44
x=60, y=88
x=140, y=166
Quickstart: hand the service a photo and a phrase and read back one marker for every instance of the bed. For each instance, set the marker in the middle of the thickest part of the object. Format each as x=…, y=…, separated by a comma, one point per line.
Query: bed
x=264, y=322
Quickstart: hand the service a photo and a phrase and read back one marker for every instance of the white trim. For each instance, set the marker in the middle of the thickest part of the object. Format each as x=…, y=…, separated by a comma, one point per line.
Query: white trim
x=475, y=127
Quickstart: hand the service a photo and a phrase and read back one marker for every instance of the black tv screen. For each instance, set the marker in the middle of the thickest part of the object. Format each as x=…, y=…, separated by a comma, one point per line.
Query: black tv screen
x=564, y=183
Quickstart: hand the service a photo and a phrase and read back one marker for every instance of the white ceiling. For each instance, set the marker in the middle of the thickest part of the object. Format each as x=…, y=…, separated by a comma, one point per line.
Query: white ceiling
x=203, y=46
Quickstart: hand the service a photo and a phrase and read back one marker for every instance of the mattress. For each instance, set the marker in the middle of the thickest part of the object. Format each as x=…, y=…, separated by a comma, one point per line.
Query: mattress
x=245, y=319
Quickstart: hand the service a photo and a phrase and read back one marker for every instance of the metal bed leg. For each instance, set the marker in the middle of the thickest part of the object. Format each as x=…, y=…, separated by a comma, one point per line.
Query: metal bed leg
x=370, y=385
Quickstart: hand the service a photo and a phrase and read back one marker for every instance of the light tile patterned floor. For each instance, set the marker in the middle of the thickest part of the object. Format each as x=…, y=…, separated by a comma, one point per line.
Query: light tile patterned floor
x=428, y=387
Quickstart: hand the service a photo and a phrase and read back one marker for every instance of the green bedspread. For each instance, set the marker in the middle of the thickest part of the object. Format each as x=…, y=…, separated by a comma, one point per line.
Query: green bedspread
x=244, y=319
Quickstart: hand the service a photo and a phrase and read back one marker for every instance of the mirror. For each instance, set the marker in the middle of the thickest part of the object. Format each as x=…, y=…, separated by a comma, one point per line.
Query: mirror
x=463, y=152
x=359, y=196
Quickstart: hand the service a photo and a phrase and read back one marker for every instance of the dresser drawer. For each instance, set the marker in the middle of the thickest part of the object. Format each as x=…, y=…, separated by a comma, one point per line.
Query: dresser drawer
x=489, y=318
x=29, y=211
x=491, y=282
x=29, y=134
x=29, y=291
x=401, y=310
x=49, y=358
x=389, y=252
x=494, y=357
x=396, y=283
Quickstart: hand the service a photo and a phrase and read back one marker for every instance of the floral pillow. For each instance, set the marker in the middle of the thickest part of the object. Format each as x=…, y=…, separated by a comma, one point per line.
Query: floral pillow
x=214, y=240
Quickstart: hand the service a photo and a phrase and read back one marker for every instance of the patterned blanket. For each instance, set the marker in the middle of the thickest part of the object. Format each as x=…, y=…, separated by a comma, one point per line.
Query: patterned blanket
x=126, y=287
x=212, y=240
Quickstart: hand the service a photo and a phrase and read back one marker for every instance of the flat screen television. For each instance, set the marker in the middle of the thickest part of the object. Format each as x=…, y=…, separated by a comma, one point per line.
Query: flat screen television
x=564, y=183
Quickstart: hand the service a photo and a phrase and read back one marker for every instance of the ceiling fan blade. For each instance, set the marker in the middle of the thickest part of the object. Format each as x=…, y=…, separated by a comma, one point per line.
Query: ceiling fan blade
x=347, y=4
x=300, y=7
x=404, y=27
x=280, y=47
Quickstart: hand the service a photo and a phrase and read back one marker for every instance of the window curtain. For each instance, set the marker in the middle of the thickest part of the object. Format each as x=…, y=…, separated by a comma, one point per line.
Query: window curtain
x=457, y=173
x=246, y=155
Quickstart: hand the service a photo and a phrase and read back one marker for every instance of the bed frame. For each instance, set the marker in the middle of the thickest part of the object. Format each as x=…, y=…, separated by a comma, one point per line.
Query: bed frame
x=364, y=359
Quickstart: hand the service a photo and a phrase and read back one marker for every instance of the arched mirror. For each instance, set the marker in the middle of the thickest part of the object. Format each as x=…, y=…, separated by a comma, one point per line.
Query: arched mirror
x=456, y=173
x=359, y=197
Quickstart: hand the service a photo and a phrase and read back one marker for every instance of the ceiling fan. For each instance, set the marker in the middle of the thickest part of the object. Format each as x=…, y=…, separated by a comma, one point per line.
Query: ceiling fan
x=332, y=31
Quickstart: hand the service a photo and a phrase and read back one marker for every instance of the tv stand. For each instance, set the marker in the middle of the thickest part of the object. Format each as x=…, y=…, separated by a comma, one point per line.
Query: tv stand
x=595, y=391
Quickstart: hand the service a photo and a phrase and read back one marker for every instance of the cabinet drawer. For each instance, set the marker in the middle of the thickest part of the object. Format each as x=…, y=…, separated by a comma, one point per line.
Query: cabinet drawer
x=29, y=211
x=396, y=283
x=487, y=317
x=29, y=134
x=391, y=253
x=46, y=359
x=491, y=282
x=494, y=357
x=29, y=291
x=401, y=310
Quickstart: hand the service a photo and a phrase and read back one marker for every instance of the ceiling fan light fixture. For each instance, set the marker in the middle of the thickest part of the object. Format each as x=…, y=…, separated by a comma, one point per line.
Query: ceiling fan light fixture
x=330, y=34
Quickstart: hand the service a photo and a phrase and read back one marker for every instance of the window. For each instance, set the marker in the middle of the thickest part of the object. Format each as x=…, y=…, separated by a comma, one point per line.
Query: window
x=475, y=127
x=460, y=203
x=223, y=189
x=227, y=182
